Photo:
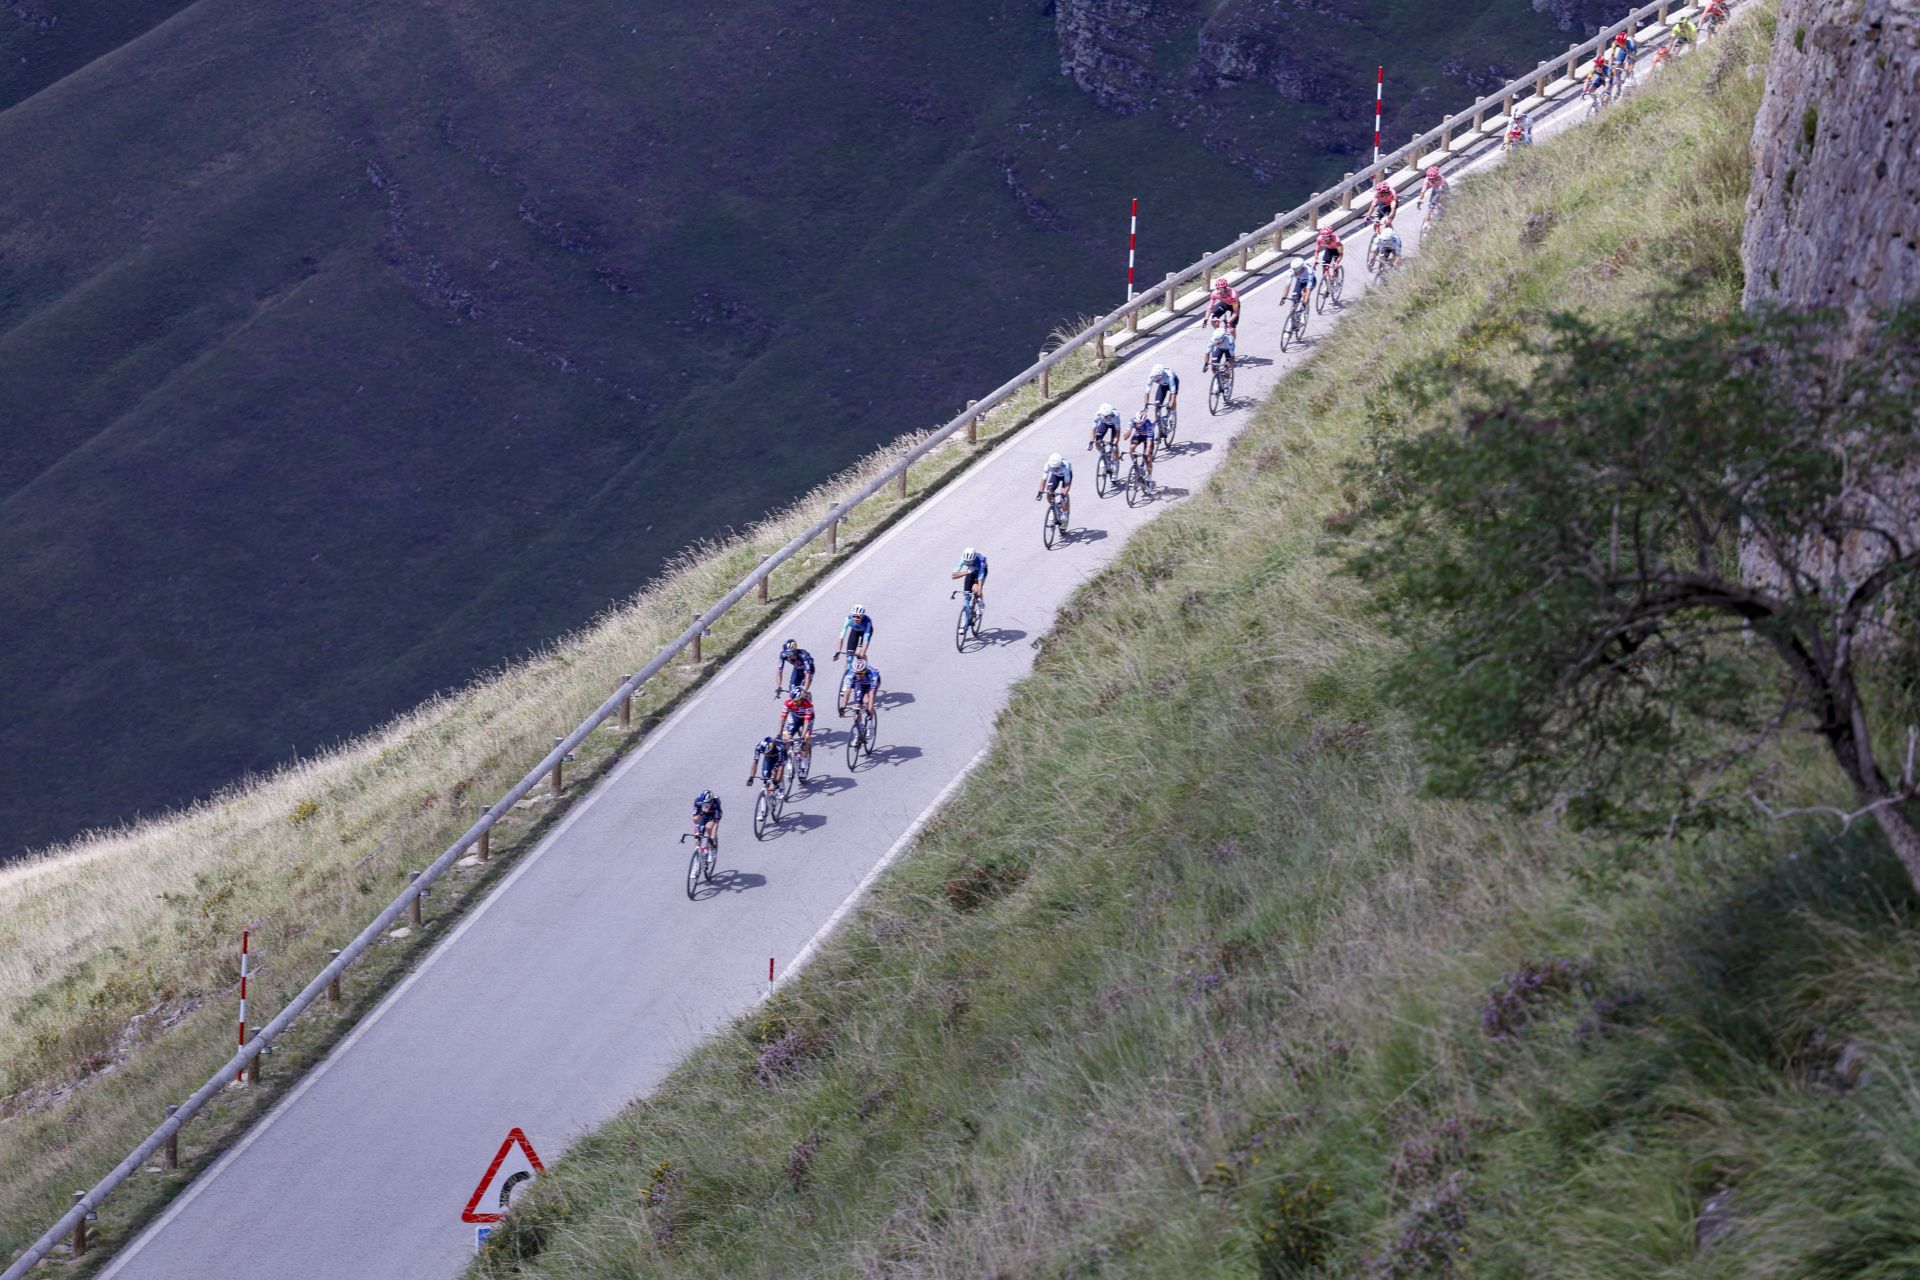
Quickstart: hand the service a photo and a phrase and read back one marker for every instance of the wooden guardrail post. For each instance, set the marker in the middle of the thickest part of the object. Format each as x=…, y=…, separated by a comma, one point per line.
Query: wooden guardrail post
x=696, y=645
x=1206, y=279
x=1662, y=19
x=1446, y=136
x=559, y=775
x=1100, y=345
x=833, y=529
x=1133, y=320
x=1046, y=384
x=171, y=1159
x=253, y=1068
x=333, y=984
x=79, y=1228
x=483, y=847
x=1246, y=255
x=760, y=588
x=626, y=704
x=413, y=905
x=973, y=423
x=1573, y=60
x=900, y=483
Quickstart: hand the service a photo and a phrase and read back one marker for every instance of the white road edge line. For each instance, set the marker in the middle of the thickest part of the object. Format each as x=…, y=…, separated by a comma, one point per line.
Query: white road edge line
x=887, y=859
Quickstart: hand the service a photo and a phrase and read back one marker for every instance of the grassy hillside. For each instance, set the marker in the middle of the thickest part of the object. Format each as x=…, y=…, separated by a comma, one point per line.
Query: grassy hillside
x=303, y=307
x=1196, y=981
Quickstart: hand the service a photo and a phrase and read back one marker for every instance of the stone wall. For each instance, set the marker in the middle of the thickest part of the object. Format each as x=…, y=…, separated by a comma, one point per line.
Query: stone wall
x=1833, y=215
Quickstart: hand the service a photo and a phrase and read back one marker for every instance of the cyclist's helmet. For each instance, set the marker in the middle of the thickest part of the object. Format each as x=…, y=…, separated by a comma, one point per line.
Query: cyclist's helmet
x=1329, y=236
x=766, y=742
x=859, y=665
x=1433, y=171
x=1621, y=39
x=1157, y=371
x=1105, y=410
x=1384, y=190
x=1600, y=61
x=801, y=696
x=703, y=799
x=789, y=647
x=859, y=611
x=1053, y=460
x=969, y=553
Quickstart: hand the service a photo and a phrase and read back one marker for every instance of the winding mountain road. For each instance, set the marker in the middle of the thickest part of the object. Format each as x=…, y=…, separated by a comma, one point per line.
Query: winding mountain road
x=587, y=974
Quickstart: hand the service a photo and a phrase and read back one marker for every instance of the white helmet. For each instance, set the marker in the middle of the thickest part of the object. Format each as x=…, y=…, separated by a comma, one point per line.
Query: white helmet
x=1053, y=460
x=967, y=554
x=1105, y=408
x=1157, y=371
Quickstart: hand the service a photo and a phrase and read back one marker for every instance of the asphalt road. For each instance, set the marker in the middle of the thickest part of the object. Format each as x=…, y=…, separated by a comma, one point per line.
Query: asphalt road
x=581, y=981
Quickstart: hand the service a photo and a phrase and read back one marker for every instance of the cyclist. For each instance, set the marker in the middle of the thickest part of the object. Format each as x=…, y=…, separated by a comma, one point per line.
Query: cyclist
x=1105, y=423
x=1300, y=282
x=800, y=676
x=1163, y=388
x=1058, y=475
x=1432, y=187
x=1387, y=248
x=1332, y=250
x=856, y=636
x=866, y=685
x=1597, y=76
x=1220, y=352
x=796, y=721
x=1384, y=200
x=1142, y=435
x=1685, y=32
x=706, y=817
x=973, y=568
x=1520, y=131
x=1625, y=51
x=769, y=762
x=1716, y=13
x=1224, y=302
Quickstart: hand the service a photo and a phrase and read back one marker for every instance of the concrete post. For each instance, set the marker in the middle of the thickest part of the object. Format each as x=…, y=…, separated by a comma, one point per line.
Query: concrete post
x=833, y=530
x=1246, y=256
x=79, y=1229
x=1663, y=13
x=1133, y=320
x=333, y=984
x=484, y=848
x=172, y=1158
x=253, y=1068
x=413, y=903
x=1446, y=136
x=1206, y=279
x=900, y=484
x=1479, y=118
x=1100, y=345
x=1046, y=383
x=1572, y=60
x=973, y=423
x=626, y=705
x=760, y=588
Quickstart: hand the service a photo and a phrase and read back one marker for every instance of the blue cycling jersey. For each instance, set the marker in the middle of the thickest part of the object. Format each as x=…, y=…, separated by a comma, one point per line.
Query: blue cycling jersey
x=974, y=564
x=709, y=812
x=771, y=753
x=864, y=680
x=1166, y=378
x=1062, y=474
x=802, y=662
x=1300, y=284
x=855, y=630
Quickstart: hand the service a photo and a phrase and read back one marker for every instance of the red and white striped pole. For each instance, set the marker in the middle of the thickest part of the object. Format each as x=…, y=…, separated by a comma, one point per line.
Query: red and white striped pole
x=1133, y=235
x=769, y=975
x=244, y=937
x=1379, y=93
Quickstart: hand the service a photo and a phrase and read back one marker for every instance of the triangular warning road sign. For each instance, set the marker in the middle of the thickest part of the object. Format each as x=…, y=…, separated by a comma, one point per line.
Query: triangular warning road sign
x=505, y=1179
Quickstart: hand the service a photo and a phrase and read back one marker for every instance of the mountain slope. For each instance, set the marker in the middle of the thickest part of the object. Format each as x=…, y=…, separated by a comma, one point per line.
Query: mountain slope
x=482, y=315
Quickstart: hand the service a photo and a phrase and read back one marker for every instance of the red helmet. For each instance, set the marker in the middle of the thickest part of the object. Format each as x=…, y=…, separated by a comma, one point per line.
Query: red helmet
x=1384, y=190
x=1600, y=60
x=1621, y=38
x=1329, y=236
x=1433, y=171
x=1221, y=286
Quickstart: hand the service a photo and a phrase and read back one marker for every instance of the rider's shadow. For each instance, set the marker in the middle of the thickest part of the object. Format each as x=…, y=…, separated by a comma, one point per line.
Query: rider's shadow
x=895, y=755
x=1251, y=362
x=894, y=698
x=734, y=882
x=1001, y=635
x=1082, y=535
x=830, y=784
x=1187, y=448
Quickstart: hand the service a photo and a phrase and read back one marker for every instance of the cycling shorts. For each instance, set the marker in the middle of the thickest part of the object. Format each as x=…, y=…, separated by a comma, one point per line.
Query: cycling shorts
x=1160, y=390
x=1389, y=250
x=1221, y=309
x=1381, y=208
x=1329, y=254
x=1143, y=433
x=1054, y=482
x=1299, y=292
x=796, y=723
x=1104, y=429
x=972, y=580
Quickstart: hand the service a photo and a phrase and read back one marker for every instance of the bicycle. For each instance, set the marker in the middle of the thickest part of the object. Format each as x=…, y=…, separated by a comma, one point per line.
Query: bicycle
x=799, y=761
x=1106, y=472
x=1332, y=276
x=700, y=866
x=1382, y=264
x=1164, y=422
x=1434, y=203
x=766, y=808
x=860, y=737
x=1054, y=522
x=846, y=680
x=1220, y=392
x=1596, y=99
x=1295, y=329
x=973, y=610
x=1137, y=482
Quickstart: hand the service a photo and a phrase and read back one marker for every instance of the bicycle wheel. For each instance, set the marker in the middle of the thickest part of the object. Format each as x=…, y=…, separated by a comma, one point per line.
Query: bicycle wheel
x=979, y=617
x=853, y=741
x=961, y=627
x=1102, y=482
x=1047, y=529
x=803, y=761
x=761, y=815
x=1168, y=426
x=696, y=871
x=871, y=737
x=1134, y=482
x=1320, y=298
x=846, y=680
x=1226, y=392
x=1287, y=334
x=1215, y=396
x=789, y=781
x=1339, y=283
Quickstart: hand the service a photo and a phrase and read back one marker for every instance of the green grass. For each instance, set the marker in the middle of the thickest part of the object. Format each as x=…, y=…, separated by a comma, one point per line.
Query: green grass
x=1196, y=982
x=303, y=307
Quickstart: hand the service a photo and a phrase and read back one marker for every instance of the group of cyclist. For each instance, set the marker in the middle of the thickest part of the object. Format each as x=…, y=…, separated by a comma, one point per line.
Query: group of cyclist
x=1610, y=71
x=774, y=754
x=1143, y=429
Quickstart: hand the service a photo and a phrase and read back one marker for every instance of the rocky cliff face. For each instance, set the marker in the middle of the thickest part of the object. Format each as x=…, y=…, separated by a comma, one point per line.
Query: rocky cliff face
x=1833, y=216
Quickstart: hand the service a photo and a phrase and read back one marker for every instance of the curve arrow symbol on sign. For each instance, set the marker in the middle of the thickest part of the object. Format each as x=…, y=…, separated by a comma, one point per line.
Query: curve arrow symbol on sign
x=519, y=1173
